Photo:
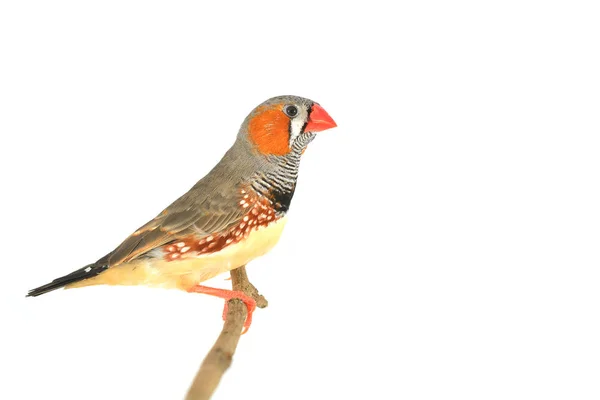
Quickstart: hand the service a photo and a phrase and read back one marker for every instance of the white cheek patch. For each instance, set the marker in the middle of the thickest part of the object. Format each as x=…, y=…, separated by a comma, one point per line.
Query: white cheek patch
x=296, y=128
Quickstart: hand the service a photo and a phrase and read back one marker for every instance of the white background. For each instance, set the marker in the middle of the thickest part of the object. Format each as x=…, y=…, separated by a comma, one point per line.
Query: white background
x=443, y=242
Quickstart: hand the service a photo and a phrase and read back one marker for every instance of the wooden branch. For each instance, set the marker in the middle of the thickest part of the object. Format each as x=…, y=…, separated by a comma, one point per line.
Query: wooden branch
x=219, y=358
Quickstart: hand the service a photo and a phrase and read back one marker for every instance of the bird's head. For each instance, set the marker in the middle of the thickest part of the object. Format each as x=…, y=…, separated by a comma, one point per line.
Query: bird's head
x=282, y=124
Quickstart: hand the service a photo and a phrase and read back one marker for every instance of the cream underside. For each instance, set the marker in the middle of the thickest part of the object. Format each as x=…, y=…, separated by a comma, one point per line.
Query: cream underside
x=193, y=270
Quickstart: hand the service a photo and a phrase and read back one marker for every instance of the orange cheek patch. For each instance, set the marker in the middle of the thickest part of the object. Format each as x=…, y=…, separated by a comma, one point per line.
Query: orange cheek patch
x=269, y=132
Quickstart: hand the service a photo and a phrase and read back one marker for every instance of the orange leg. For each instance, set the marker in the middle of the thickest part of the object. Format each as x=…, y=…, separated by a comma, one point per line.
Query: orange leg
x=228, y=295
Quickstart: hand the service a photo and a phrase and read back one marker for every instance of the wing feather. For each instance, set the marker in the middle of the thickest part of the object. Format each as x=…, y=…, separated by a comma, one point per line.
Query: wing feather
x=181, y=219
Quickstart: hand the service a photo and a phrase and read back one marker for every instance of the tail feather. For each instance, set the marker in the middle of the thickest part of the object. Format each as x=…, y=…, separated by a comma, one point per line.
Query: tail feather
x=86, y=272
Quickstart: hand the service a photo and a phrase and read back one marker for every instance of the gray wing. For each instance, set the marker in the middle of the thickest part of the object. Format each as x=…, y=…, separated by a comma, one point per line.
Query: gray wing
x=190, y=215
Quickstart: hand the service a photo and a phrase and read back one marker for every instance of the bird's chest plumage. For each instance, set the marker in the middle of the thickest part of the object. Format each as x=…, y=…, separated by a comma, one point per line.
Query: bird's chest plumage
x=194, y=260
x=186, y=272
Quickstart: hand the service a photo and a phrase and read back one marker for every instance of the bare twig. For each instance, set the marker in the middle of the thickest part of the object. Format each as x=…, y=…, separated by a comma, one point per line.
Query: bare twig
x=239, y=281
x=218, y=359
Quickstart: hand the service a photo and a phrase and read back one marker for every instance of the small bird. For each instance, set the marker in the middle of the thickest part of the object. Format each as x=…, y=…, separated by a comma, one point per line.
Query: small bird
x=233, y=215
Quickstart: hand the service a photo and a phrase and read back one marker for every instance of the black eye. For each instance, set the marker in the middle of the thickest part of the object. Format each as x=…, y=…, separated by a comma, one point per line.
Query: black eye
x=291, y=111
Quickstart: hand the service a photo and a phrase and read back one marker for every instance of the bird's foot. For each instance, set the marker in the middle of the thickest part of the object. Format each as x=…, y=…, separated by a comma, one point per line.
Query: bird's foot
x=228, y=295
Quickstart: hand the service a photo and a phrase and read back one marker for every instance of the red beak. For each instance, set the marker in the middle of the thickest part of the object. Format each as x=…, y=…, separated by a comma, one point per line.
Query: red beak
x=319, y=120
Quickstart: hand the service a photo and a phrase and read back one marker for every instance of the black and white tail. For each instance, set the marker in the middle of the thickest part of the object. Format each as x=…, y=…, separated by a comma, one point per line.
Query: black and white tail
x=86, y=272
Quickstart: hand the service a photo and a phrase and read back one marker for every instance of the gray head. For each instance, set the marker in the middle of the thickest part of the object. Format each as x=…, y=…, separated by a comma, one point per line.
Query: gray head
x=275, y=126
